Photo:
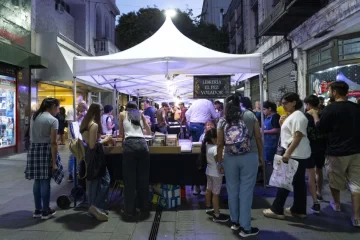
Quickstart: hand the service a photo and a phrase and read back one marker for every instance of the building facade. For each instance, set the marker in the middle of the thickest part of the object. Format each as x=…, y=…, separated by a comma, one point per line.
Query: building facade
x=16, y=63
x=213, y=10
x=63, y=29
x=305, y=44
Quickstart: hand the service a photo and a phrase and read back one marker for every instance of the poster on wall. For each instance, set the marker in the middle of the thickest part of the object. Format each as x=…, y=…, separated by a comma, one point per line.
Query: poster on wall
x=211, y=86
x=7, y=111
x=349, y=74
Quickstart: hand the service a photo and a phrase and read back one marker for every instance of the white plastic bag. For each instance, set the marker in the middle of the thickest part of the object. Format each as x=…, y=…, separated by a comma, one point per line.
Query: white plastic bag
x=283, y=173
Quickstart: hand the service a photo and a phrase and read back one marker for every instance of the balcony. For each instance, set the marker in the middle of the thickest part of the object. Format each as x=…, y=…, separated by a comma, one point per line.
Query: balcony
x=288, y=15
x=104, y=47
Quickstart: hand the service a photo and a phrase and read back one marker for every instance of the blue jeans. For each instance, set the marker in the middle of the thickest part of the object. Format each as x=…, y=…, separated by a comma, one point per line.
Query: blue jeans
x=163, y=129
x=71, y=164
x=196, y=129
x=98, y=191
x=41, y=190
x=240, y=173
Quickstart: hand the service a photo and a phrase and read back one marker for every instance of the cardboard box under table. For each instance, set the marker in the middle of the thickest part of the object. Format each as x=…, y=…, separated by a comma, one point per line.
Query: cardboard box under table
x=167, y=165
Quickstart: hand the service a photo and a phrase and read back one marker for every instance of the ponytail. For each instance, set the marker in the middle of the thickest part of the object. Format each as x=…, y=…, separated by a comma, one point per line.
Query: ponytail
x=45, y=105
x=210, y=134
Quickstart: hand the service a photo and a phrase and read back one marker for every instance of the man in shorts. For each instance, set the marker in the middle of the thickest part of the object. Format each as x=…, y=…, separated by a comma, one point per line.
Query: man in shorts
x=318, y=147
x=340, y=121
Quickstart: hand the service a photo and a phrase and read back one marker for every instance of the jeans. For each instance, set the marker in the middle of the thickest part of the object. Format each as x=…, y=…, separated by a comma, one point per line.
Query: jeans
x=300, y=192
x=136, y=173
x=196, y=129
x=240, y=173
x=41, y=190
x=98, y=191
x=163, y=129
x=71, y=164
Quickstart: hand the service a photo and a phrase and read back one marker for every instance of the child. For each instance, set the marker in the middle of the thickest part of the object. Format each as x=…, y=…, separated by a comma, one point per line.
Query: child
x=214, y=178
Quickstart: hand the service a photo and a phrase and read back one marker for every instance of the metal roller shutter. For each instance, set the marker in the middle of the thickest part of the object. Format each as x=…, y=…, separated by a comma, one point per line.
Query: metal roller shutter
x=279, y=80
x=254, y=90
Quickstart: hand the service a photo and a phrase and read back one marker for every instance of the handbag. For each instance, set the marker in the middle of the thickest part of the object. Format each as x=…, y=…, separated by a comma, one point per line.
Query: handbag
x=283, y=173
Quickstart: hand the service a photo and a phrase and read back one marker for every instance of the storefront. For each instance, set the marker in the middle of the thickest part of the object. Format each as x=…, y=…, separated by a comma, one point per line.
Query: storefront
x=16, y=62
x=63, y=93
x=8, y=118
x=336, y=60
x=278, y=78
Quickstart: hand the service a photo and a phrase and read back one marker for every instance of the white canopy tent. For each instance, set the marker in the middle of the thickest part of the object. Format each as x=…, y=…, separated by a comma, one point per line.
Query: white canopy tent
x=163, y=66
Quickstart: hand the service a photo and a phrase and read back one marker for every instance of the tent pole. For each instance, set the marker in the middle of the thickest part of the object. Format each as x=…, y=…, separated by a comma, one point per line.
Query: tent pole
x=261, y=84
x=74, y=98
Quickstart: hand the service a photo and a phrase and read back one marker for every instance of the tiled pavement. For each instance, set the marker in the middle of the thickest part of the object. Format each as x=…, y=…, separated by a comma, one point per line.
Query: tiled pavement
x=188, y=223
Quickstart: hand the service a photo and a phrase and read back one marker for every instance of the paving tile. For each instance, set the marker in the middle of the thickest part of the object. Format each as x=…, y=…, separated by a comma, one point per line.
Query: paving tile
x=84, y=236
x=217, y=236
x=28, y=235
x=80, y=222
x=125, y=228
x=120, y=237
x=142, y=231
x=168, y=216
x=166, y=230
x=185, y=235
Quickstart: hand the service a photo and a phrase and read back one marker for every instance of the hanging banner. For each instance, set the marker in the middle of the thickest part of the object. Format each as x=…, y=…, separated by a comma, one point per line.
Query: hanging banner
x=211, y=86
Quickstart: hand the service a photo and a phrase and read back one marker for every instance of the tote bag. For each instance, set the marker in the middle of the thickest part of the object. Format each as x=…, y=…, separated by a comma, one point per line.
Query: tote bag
x=283, y=173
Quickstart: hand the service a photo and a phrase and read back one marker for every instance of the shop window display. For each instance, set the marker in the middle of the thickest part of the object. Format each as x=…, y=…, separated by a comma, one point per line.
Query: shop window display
x=349, y=74
x=7, y=111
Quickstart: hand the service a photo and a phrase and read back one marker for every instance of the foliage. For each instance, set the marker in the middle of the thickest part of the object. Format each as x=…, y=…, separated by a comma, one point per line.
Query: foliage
x=135, y=27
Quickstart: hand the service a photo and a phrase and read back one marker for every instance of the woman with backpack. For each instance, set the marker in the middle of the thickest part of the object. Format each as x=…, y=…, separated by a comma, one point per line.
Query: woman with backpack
x=239, y=133
x=295, y=145
x=98, y=185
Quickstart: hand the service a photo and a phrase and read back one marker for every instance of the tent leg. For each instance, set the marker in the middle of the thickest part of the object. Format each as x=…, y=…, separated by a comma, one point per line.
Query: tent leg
x=74, y=98
x=261, y=84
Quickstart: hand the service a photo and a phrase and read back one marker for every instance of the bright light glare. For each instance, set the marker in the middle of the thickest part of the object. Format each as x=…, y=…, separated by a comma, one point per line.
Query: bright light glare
x=170, y=13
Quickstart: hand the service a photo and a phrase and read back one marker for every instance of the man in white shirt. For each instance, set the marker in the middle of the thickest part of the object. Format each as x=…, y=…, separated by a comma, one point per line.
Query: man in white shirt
x=198, y=114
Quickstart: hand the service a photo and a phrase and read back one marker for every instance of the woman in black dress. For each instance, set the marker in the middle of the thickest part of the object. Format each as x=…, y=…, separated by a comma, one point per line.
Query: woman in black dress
x=62, y=124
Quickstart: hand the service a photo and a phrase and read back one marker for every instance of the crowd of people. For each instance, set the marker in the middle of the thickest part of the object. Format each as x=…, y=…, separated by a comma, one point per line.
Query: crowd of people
x=232, y=146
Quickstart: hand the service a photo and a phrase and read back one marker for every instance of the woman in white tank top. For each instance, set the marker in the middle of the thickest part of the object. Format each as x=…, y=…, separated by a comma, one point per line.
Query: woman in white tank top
x=136, y=162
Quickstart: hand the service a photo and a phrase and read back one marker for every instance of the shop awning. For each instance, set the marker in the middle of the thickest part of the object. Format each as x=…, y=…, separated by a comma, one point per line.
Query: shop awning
x=18, y=56
x=61, y=52
x=168, y=54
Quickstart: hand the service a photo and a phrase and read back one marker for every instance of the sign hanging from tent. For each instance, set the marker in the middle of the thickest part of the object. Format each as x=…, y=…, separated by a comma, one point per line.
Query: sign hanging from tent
x=211, y=86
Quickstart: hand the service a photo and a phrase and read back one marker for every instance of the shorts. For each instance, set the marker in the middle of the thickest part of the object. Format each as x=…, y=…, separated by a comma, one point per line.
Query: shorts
x=342, y=171
x=316, y=160
x=214, y=184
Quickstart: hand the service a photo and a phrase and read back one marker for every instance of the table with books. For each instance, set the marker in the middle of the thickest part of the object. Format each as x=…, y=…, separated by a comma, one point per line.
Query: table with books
x=172, y=161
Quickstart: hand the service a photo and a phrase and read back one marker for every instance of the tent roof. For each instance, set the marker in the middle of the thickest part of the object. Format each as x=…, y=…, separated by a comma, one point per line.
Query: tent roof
x=167, y=53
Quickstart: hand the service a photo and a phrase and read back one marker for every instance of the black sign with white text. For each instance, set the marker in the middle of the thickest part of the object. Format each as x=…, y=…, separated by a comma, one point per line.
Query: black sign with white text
x=211, y=86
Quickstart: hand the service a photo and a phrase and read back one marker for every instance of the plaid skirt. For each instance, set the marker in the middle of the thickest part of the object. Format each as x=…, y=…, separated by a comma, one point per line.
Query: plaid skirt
x=39, y=163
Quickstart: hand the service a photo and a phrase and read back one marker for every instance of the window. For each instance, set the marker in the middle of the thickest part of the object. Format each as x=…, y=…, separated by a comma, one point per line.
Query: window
x=256, y=27
x=7, y=111
x=349, y=49
x=107, y=28
x=98, y=25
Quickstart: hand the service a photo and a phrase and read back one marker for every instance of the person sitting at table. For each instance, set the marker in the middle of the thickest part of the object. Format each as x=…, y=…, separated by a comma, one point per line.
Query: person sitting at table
x=91, y=131
x=136, y=162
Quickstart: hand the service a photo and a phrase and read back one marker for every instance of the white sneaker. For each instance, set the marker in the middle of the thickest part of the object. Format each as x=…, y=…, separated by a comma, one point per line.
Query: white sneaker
x=98, y=214
x=196, y=191
x=334, y=206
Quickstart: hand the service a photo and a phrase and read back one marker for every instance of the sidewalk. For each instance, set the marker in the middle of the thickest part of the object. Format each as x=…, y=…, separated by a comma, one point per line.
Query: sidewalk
x=188, y=223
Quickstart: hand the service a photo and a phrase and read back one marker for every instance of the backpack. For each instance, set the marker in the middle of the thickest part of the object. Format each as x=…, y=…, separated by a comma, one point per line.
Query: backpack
x=237, y=139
